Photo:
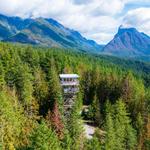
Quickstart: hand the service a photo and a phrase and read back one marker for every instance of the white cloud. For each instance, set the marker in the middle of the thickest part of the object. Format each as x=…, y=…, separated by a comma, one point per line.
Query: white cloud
x=95, y=19
x=100, y=36
x=139, y=18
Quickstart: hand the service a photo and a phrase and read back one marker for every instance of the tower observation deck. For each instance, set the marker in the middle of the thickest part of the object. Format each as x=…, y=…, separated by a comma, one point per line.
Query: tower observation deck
x=70, y=88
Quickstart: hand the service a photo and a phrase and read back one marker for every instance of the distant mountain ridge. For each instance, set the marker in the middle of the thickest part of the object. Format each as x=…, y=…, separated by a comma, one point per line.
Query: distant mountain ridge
x=44, y=32
x=128, y=42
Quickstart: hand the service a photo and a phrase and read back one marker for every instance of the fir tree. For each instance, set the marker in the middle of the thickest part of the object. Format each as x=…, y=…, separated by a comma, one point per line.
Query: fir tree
x=43, y=138
x=110, y=137
x=125, y=134
x=54, y=120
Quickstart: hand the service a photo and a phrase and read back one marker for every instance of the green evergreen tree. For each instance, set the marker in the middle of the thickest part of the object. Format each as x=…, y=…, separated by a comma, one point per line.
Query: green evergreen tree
x=43, y=138
x=94, y=111
x=93, y=144
x=74, y=127
x=125, y=134
x=110, y=137
x=2, y=75
x=54, y=87
x=40, y=86
x=67, y=141
x=11, y=120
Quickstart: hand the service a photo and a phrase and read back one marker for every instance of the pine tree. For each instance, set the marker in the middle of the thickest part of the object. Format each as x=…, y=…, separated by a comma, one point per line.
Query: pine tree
x=93, y=144
x=54, y=87
x=146, y=127
x=94, y=111
x=2, y=75
x=54, y=120
x=140, y=129
x=110, y=137
x=40, y=86
x=11, y=120
x=74, y=127
x=119, y=132
x=43, y=138
x=24, y=87
x=125, y=134
x=133, y=94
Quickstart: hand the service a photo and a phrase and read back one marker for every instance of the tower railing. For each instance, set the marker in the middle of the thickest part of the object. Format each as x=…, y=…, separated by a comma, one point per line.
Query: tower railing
x=65, y=83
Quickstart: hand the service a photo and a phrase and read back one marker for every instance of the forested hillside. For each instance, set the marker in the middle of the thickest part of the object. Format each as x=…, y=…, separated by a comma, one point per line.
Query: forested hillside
x=31, y=101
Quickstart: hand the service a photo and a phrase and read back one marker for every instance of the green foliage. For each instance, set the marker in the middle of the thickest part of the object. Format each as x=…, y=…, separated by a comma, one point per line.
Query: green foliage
x=147, y=103
x=74, y=127
x=43, y=138
x=147, y=144
x=119, y=131
x=30, y=88
x=12, y=120
x=93, y=112
x=2, y=81
x=54, y=86
x=110, y=143
x=93, y=144
x=25, y=86
x=40, y=86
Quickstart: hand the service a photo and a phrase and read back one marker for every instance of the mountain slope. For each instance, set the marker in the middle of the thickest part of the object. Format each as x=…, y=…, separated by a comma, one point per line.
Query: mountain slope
x=128, y=42
x=44, y=32
x=13, y=24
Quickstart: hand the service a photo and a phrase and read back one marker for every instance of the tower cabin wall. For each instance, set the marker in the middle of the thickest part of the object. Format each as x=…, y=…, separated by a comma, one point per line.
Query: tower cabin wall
x=69, y=83
x=70, y=87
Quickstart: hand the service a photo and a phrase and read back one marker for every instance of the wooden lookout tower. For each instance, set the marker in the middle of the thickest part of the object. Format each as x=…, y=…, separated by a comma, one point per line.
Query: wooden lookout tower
x=70, y=87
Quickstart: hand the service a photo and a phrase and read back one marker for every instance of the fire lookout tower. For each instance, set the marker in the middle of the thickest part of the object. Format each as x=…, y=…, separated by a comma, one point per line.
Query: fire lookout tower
x=70, y=87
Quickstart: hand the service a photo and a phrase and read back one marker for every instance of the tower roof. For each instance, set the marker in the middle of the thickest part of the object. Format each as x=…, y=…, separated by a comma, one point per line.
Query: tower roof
x=69, y=76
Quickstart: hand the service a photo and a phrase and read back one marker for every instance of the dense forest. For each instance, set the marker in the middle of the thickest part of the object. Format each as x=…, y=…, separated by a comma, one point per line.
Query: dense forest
x=31, y=100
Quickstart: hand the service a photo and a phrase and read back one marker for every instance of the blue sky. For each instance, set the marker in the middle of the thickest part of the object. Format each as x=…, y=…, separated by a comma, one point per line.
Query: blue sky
x=95, y=19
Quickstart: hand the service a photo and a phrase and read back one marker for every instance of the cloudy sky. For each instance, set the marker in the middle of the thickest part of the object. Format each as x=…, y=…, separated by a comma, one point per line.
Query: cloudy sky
x=95, y=19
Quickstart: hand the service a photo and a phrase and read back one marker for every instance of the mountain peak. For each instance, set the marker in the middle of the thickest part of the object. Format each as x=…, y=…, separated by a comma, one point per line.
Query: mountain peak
x=126, y=30
x=123, y=28
x=128, y=42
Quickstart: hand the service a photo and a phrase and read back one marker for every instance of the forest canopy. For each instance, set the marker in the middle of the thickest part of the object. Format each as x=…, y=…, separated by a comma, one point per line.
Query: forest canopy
x=31, y=100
